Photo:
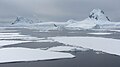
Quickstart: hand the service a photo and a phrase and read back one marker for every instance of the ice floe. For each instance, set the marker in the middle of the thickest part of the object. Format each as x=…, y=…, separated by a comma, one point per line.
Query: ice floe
x=9, y=33
x=27, y=54
x=100, y=33
x=66, y=48
x=8, y=30
x=15, y=38
x=44, y=41
x=115, y=30
x=111, y=46
x=4, y=36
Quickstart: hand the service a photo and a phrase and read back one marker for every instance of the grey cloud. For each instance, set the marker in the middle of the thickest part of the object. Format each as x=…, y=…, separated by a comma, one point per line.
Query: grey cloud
x=58, y=10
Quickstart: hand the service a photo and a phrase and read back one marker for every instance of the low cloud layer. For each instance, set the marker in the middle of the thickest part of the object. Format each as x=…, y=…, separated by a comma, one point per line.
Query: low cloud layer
x=57, y=10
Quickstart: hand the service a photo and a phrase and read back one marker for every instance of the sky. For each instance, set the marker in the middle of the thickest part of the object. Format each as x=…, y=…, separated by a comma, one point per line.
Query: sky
x=57, y=10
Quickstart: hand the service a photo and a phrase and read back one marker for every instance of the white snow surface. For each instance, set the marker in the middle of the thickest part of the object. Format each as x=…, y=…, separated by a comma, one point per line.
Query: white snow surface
x=100, y=33
x=85, y=24
x=67, y=48
x=4, y=36
x=111, y=46
x=27, y=54
x=115, y=30
x=2, y=30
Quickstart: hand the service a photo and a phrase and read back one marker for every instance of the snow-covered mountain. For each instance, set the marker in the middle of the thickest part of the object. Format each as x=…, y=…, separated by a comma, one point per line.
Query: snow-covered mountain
x=52, y=25
x=96, y=19
x=35, y=22
x=98, y=14
x=22, y=21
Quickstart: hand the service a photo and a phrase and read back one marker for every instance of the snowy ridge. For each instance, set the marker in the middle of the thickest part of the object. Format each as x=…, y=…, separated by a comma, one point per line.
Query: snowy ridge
x=85, y=24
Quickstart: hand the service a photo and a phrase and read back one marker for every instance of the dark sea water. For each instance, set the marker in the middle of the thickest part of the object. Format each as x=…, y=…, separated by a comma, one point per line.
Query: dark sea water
x=82, y=59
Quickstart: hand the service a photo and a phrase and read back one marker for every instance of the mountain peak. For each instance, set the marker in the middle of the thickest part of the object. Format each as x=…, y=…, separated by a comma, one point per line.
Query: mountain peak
x=22, y=20
x=98, y=14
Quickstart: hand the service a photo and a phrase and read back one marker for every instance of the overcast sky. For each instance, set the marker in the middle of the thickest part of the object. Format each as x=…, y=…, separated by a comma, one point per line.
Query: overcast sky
x=57, y=10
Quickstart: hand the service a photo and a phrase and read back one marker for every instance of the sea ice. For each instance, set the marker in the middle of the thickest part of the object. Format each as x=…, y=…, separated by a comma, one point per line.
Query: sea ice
x=111, y=46
x=67, y=48
x=27, y=54
x=100, y=33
